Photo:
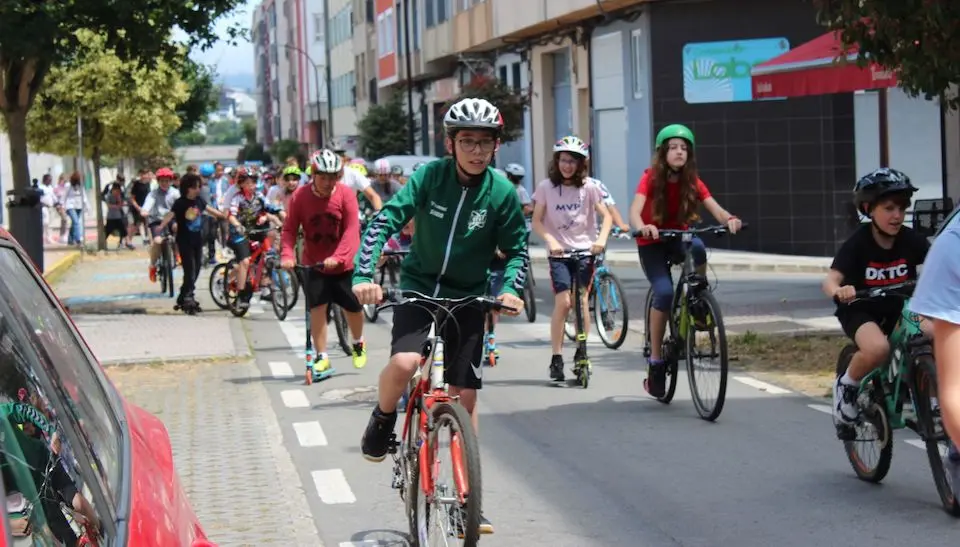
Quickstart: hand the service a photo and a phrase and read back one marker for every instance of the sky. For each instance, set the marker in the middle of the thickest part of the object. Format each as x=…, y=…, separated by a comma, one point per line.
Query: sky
x=228, y=59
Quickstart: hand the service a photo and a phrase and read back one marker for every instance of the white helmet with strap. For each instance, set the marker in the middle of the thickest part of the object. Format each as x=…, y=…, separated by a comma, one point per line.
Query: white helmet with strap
x=381, y=166
x=515, y=169
x=573, y=145
x=473, y=114
x=326, y=161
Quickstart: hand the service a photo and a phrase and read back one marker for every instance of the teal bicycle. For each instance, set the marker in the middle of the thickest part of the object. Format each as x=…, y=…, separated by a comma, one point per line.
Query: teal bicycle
x=607, y=303
x=910, y=377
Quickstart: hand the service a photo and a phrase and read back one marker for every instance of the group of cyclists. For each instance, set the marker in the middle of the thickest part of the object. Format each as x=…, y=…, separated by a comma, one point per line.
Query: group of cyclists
x=472, y=226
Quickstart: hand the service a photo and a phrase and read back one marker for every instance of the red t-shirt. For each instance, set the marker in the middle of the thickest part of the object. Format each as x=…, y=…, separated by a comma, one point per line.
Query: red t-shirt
x=645, y=187
x=331, y=227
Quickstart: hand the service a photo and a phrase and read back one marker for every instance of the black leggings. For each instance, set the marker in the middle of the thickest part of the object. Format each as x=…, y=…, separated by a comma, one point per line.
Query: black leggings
x=191, y=258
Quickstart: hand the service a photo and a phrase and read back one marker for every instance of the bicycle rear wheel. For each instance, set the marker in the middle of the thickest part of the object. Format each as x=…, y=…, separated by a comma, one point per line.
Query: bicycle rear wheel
x=529, y=300
x=220, y=283
x=440, y=514
x=930, y=427
x=666, y=352
x=293, y=282
x=280, y=294
x=343, y=331
x=708, y=402
x=609, y=301
x=168, y=267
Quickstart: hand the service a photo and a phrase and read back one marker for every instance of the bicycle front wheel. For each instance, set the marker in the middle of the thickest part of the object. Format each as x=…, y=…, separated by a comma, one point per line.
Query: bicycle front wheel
x=530, y=300
x=168, y=268
x=453, y=508
x=343, y=331
x=706, y=329
x=610, y=311
x=220, y=284
x=668, y=357
x=280, y=295
x=924, y=390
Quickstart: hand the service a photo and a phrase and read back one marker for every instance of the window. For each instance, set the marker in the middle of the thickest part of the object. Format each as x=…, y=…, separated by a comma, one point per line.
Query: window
x=318, y=29
x=516, y=77
x=415, y=23
x=637, y=52
x=50, y=384
x=503, y=74
x=430, y=8
x=443, y=10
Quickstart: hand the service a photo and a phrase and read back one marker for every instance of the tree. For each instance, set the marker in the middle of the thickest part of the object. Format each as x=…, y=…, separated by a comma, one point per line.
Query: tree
x=284, y=148
x=203, y=98
x=510, y=102
x=383, y=130
x=919, y=39
x=125, y=109
x=224, y=132
x=188, y=138
x=34, y=36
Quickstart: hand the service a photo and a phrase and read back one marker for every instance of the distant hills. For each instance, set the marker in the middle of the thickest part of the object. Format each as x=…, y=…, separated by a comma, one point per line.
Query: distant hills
x=244, y=81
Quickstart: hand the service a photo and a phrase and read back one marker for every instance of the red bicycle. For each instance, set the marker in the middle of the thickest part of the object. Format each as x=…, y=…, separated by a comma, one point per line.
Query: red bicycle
x=436, y=509
x=262, y=262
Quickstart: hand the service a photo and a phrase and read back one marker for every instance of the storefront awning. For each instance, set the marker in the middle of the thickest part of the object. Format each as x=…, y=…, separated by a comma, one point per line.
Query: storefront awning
x=818, y=67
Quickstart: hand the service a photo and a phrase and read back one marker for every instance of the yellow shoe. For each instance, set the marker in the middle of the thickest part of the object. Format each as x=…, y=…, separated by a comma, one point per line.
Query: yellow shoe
x=321, y=365
x=359, y=354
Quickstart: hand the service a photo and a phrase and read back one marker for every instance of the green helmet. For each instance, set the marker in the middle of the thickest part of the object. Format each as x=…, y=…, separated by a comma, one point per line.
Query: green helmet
x=675, y=131
x=292, y=170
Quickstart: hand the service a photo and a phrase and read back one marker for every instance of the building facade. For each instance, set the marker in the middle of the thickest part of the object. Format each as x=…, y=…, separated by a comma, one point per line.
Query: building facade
x=312, y=56
x=343, y=76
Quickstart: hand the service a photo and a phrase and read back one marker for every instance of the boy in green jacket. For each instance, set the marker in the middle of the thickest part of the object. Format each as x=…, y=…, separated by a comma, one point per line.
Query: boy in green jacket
x=463, y=211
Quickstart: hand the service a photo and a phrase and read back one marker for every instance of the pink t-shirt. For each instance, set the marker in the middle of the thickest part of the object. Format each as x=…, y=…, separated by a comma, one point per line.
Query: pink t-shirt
x=570, y=214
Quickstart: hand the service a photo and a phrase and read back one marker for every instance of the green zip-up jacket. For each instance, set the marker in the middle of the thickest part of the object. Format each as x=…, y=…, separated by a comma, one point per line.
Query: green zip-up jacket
x=457, y=231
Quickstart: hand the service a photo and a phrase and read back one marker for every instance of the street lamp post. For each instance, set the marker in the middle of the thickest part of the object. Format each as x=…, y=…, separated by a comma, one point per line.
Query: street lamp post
x=316, y=90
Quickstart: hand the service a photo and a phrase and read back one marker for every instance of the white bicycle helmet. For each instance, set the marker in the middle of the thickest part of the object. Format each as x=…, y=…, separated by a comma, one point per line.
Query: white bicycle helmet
x=381, y=166
x=326, y=161
x=473, y=114
x=515, y=169
x=572, y=145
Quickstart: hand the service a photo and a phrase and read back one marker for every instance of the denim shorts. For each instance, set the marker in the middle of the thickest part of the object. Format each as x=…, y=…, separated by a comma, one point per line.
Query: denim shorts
x=561, y=273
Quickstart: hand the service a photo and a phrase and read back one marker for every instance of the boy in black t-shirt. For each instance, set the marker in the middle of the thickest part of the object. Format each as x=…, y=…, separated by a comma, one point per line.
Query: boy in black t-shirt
x=188, y=212
x=880, y=253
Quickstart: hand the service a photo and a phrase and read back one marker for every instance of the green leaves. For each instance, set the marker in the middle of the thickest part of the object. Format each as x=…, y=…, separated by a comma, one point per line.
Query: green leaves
x=383, y=130
x=919, y=39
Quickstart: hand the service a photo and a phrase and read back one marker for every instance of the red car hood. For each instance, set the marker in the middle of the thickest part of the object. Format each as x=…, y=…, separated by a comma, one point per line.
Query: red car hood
x=160, y=513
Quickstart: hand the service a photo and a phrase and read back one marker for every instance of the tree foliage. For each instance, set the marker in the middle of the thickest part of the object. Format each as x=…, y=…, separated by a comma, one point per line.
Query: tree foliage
x=127, y=110
x=919, y=39
x=204, y=93
x=224, y=132
x=509, y=101
x=383, y=130
x=284, y=148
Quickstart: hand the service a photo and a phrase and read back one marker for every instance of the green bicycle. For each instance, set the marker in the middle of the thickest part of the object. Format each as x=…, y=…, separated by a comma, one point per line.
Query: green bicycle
x=909, y=377
x=694, y=318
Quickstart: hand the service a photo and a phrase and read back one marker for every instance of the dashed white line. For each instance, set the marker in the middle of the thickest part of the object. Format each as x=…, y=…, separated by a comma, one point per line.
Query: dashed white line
x=762, y=386
x=280, y=369
x=332, y=486
x=294, y=398
x=295, y=336
x=310, y=434
x=922, y=446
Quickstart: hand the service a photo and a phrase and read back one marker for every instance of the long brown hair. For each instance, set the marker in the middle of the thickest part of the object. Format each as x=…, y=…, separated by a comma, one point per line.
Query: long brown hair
x=689, y=197
x=579, y=177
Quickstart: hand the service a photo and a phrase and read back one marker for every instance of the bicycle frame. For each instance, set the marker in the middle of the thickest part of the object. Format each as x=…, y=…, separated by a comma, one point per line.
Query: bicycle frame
x=600, y=268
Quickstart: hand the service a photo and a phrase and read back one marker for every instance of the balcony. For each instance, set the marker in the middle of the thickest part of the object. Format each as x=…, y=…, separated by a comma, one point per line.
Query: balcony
x=473, y=28
x=525, y=19
x=437, y=43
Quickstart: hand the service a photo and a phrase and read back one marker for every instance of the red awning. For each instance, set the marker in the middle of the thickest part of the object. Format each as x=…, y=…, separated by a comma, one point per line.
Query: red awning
x=818, y=67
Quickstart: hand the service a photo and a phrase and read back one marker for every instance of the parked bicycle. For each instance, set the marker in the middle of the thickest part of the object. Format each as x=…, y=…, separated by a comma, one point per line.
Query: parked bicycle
x=909, y=377
x=437, y=510
x=694, y=317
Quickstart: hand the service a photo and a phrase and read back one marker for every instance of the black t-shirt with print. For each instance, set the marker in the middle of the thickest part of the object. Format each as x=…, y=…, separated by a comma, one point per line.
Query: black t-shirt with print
x=866, y=265
x=189, y=216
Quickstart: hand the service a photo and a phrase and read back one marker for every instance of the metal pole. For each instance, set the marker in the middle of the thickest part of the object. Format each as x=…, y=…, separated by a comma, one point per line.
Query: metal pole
x=316, y=78
x=409, y=70
x=83, y=182
x=326, y=46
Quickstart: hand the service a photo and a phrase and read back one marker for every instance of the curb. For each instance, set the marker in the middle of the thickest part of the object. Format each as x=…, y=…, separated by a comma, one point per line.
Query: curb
x=722, y=267
x=60, y=267
x=160, y=361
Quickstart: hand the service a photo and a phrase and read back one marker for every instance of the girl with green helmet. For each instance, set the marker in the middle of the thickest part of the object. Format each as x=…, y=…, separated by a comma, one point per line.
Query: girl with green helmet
x=668, y=196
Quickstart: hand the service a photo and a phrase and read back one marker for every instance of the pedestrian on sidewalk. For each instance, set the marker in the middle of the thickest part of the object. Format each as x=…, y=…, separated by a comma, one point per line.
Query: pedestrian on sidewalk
x=75, y=203
x=59, y=192
x=116, y=215
x=48, y=201
x=137, y=194
x=187, y=213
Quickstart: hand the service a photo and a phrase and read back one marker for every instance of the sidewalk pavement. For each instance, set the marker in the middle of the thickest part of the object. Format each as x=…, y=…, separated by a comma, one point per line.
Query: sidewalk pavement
x=720, y=260
x=126, y=320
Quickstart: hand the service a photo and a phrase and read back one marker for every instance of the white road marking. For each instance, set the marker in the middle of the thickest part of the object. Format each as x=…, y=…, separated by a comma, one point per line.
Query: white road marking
x=365, y=543
x=822, y=408
x=281, y=369
x=332, y=486
x=294, y=398
x=762, y=386
x=295, y=336
x=310, y=434
x=922, y=446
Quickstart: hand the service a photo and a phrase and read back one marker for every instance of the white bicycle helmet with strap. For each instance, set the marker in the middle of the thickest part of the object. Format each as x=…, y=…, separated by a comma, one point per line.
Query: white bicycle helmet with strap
x=515, y=169
x=472, y=114
x=572, y=145
x=381, y=166
x=325, y=161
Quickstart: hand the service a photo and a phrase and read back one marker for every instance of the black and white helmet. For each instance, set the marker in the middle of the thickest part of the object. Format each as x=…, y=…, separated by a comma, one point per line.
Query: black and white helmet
x=473, y=114
x=325, y=161
x=515, y=169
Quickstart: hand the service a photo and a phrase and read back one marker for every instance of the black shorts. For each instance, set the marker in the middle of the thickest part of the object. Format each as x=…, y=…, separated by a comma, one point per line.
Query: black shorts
x=134, y=217
x=322, y=289
x=155, y=230
x=464, y=346
x=115, y=226
x=241, y=247
x=852, y=319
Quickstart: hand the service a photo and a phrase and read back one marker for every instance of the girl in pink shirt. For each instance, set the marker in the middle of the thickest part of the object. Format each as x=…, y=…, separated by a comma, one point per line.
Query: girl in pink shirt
x=566, y=215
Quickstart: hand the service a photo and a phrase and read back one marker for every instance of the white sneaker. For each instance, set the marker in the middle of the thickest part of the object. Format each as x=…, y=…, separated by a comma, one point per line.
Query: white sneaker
x=844, y=402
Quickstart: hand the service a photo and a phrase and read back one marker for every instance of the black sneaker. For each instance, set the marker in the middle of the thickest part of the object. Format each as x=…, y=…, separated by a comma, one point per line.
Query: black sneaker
x=556, y=368
x=375, y=442
x=656, y=379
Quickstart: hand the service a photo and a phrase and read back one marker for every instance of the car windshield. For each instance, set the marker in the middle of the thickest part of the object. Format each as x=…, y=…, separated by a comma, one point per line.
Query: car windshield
x=47, y=341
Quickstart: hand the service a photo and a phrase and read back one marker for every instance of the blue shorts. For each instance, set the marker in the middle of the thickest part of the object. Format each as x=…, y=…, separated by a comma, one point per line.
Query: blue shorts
x=561, y=273
x=496, y=282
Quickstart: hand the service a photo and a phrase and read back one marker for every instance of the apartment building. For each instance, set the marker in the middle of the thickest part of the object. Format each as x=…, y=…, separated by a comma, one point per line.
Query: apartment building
x=365, y=44
x=289, y=63
x=343, y=76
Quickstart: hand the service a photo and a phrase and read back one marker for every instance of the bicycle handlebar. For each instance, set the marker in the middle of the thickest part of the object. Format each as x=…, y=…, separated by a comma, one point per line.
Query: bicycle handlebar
x=399, y=297
x=570, y=255
x=717, y=230
x=896, y=289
